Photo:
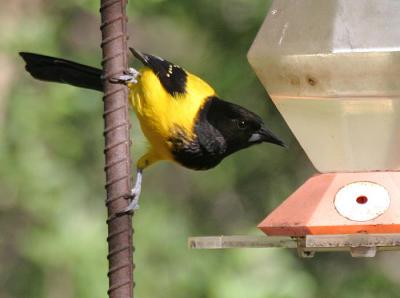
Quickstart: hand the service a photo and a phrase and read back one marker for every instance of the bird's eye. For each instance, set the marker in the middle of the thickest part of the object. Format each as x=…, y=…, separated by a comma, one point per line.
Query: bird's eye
x=242, y=124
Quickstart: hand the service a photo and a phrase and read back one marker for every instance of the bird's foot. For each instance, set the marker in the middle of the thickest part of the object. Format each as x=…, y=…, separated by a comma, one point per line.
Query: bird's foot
x=131, y=71
x=130, y=76
x=134, y=195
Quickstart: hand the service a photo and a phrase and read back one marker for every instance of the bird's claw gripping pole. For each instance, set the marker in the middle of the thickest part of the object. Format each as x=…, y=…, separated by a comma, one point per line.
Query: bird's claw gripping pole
x=117, y=149
x=135, y=194
x=130, y=76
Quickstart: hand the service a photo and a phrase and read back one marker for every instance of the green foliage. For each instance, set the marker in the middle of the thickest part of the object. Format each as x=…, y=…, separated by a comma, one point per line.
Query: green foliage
x=52, y=214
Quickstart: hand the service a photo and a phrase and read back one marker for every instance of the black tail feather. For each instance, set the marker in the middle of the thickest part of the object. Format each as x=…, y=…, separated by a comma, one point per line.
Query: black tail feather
x=62, y=71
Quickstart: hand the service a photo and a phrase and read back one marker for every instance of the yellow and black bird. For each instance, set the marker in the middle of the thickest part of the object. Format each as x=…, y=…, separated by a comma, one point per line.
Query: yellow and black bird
x=182, y=117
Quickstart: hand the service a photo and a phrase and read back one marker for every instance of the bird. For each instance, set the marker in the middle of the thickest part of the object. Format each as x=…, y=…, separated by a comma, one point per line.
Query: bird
x=181, y=115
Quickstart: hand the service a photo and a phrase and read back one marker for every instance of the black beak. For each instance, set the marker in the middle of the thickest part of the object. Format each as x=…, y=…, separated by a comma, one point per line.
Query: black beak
x=265, y=135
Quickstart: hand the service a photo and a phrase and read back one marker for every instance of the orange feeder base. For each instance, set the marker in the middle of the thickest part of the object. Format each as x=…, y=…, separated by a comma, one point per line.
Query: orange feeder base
x=339, y=203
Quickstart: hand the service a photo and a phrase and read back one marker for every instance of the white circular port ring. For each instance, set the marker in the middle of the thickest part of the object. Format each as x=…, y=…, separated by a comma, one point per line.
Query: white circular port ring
x=362, y=201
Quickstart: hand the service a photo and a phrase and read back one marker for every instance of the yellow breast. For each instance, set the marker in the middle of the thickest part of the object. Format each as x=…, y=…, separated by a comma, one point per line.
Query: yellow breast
x=160, y=113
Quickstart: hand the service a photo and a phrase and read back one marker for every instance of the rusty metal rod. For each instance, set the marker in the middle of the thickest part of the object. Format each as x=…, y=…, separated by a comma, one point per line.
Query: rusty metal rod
x=117, y=149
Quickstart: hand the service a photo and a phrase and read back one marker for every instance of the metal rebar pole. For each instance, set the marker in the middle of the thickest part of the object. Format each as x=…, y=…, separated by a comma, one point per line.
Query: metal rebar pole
x=117, y=149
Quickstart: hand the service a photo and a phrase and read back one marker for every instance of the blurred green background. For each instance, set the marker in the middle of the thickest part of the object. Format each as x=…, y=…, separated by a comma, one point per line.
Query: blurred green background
x=52, y=213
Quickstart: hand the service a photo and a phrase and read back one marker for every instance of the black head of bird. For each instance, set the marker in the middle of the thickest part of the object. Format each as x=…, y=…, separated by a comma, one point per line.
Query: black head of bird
x=239, y=127
x=221, y=128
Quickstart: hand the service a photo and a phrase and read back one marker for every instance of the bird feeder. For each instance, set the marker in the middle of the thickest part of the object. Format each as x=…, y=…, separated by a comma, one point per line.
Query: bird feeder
x=332, y=69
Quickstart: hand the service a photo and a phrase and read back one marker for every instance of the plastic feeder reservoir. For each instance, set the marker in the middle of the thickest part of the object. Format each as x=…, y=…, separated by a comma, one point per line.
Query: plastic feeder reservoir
x=332, y=68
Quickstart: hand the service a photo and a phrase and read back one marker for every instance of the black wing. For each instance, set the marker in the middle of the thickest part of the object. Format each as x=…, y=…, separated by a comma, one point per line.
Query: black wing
x=172, y=77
